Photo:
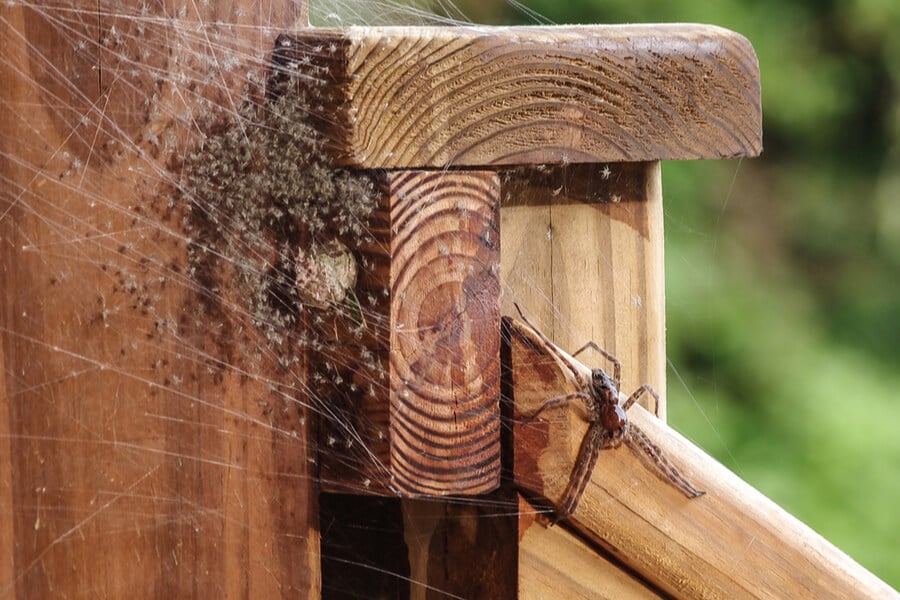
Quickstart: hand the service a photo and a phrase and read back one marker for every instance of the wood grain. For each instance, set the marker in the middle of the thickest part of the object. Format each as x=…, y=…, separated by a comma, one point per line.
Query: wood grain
x=555, y=563
x=474, y=96
x=140, y=459
x=731, y=543
x=583, y=257
x=435, y=428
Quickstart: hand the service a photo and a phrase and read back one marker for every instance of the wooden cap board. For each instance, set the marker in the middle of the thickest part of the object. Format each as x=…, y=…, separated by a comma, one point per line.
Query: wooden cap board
x=419, y=97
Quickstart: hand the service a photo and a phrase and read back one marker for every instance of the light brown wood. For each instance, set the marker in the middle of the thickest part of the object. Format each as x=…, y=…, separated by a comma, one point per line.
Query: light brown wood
x=555, y=563
x=583, y=257
x=434, y=278
x=468, y=97
x=730, y=543
x=140, y=458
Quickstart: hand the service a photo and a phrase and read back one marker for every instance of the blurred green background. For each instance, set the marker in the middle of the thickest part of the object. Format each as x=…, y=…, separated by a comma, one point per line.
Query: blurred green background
x=783, y=272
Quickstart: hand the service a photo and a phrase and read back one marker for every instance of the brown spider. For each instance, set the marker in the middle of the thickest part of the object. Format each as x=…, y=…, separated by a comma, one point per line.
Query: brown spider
x=608, y=423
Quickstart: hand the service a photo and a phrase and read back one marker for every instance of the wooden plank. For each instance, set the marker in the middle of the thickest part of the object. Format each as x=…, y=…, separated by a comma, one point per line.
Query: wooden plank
x=583, y=256
x=461, y=548
x=555, y=563
x=730, y=543
x=473, y=96
x=141, y=459
x=7, y=539
x=433, y=427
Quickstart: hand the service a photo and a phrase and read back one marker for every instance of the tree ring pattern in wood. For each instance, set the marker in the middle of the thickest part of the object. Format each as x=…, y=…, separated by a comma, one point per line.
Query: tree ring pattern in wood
x=445, y=332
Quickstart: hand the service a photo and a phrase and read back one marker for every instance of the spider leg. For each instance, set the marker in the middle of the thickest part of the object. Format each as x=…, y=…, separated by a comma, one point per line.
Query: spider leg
x=557, y=402
x=640, y=392
x=584, y=467
x=652, y=455
x=617, y=366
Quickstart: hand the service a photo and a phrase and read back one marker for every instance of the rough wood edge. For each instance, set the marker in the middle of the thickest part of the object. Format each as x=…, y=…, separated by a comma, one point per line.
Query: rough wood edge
x=731, y=543
x=420, y=97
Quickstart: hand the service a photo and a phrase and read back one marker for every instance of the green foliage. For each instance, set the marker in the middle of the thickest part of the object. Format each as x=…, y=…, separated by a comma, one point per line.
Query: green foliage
x=783, y=291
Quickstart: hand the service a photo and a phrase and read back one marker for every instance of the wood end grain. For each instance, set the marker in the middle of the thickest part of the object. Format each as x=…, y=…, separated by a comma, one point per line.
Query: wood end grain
x=432, y=427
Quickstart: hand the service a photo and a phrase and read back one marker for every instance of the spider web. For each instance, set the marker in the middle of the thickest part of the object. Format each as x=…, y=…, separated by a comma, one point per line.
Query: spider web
x=153, y=200
x=151, y=206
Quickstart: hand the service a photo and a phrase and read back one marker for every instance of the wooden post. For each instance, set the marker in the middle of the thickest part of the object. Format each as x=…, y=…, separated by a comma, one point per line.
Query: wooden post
x=137, y=454
x=435, y=98
x=584, y=243
x=432, y=425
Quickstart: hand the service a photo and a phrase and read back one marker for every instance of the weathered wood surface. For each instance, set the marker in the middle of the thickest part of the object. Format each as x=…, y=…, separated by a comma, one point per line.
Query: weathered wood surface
x=582, y=254
x=473, y=96
x=730, y=543
x=434, y=277
x=136, y=456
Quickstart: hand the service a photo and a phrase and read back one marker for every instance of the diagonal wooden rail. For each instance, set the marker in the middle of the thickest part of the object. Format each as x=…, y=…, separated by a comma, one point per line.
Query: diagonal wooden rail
x=733, y=542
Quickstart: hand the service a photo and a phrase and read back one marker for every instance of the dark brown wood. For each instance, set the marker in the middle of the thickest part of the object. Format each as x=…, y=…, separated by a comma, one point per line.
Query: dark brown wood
x=462, y=548
x=469, y=97
x=137, y=456
x=427, y=418
x=364, y=551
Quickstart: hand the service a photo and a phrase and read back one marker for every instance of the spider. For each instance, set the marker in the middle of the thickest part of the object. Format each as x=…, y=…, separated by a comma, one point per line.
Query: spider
x=608, y=423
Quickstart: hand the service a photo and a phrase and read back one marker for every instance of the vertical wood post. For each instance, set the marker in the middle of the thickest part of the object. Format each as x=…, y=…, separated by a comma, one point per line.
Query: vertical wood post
x=427, y=419
x=583, y=257
x=583, y=251
x=136, y=455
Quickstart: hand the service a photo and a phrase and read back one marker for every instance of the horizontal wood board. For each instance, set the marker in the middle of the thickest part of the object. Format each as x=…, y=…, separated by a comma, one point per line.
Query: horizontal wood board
x=402, y=97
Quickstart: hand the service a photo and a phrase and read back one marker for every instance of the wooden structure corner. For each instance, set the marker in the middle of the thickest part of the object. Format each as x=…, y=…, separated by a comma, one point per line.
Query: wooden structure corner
x=511, y=167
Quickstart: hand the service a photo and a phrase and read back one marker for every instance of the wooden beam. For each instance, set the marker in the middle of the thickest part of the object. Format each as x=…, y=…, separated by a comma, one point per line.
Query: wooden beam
x=730, y=543
x=473, y=96
x=461, y=548
x=141, y=456
x=582, y=254
x=431, y=292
